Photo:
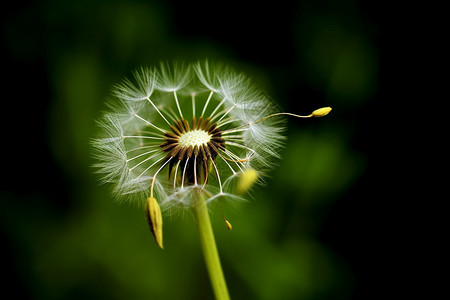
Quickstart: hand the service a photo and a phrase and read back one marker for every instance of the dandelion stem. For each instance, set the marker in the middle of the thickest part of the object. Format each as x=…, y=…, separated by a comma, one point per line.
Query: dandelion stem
x=209, y=248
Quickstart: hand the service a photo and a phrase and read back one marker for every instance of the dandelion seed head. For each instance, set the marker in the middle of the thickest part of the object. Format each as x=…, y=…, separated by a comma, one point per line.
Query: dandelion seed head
x=176, y=129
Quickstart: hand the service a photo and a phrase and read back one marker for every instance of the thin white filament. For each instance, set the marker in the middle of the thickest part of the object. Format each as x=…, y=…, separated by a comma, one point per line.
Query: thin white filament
x=240, y=140
x=193, y=104
x=232, y=170
x=178, y=104
x=175, y=176
x=226, y=121
x=148, y=123
x=207, y=101
x=150, y=132
x=172, y=115
x=154, y=176
x=237, y=129
x=212, y=116
x=184, y=172
x=240, y=146
x=234, y=158
x=217, y=174
x=150, y=167
x=195, y=170
x=151, y=102
x=233, y=137
x=147, y=159
x=145, y=153
x=142, y=137
x=219, y=114
x=232, y=155
x=142, y=147
x=227, y=113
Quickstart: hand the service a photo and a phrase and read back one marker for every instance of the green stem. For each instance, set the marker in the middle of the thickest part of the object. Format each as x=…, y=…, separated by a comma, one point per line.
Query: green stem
x=210, y=249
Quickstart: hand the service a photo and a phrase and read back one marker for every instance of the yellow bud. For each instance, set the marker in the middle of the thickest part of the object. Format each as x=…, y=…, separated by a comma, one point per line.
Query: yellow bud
x=228, y=225
x=154, y=219
x=321, y=112
x=246, y=180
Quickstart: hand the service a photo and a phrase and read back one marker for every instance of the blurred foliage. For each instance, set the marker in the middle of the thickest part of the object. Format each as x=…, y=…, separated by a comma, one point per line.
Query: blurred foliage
x=66, y=239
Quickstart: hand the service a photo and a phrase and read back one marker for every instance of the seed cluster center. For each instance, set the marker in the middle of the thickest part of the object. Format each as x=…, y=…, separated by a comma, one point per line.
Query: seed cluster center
x=192, y=147
x=194, y=138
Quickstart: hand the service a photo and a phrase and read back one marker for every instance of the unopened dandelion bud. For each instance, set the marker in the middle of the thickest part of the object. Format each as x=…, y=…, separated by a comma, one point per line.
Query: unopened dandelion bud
x=321, y=112
x=154, y=219
x=228, y=224
x=246, y=180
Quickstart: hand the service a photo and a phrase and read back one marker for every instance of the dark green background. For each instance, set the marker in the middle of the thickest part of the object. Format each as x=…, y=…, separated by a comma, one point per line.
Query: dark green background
x=309, y=234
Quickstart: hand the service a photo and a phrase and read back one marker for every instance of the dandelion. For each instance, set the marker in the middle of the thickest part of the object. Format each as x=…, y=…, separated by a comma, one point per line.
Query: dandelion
x=185, y=137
